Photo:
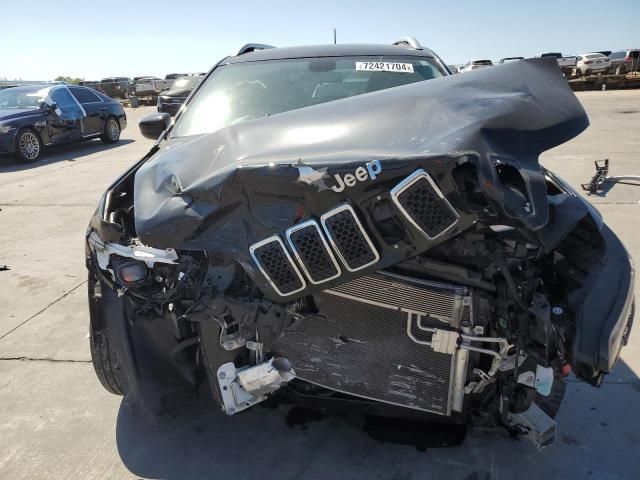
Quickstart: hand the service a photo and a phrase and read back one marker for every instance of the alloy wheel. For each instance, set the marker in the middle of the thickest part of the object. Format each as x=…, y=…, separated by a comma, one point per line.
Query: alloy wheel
x=113, y=130
x=29, y=146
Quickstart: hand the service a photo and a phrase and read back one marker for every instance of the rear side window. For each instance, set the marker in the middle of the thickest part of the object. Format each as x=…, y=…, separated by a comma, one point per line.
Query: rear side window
x=616, y=55
x=634, y=53
x=84, y=96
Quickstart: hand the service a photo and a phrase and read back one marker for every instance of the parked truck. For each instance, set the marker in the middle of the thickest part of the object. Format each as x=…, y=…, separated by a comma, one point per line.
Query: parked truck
x=152, y=86
x=566, y=64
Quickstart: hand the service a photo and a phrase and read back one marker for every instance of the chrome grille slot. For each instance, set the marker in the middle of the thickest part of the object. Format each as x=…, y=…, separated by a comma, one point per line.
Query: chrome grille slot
x=276, y=265
x=348, y=237
x=312, y=251
x=423, y=204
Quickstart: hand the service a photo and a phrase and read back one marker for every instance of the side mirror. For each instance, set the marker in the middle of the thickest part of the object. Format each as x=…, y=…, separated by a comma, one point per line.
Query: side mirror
x=153, y=125
x=49, y=107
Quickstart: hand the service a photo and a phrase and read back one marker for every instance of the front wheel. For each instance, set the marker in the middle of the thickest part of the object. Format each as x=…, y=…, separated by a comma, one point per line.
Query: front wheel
x=619, y=70
x=105, y=362
x=111, y=132
x=28, y=146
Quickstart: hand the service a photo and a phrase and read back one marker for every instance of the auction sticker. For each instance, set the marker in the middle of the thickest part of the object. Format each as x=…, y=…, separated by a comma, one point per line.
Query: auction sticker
x=384, y=67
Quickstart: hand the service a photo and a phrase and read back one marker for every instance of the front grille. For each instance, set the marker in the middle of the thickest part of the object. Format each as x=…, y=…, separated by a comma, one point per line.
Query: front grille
x=361, y=348
x=313, y=253
x=276, y=265
x=346, y=234
x=422, y=203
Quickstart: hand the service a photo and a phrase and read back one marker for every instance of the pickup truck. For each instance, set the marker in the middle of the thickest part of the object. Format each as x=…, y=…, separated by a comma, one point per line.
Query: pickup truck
x=566, y=64
x=152, y=86
x=116, y=87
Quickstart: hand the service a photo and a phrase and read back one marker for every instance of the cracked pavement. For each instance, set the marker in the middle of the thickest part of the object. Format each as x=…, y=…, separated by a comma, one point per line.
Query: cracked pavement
x=58, y=423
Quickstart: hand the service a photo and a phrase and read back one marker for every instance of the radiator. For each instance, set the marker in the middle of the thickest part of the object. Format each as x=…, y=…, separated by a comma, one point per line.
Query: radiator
x=359, y=344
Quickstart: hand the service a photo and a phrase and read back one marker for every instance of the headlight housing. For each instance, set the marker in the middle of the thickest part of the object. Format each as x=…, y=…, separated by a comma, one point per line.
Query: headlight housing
x=6, y=129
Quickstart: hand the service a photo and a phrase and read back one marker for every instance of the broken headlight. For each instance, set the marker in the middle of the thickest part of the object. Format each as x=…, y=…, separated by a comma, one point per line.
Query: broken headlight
x=130, y=273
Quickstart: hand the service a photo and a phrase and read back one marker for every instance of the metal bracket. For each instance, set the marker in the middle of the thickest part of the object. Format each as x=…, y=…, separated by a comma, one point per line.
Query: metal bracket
x=234, y=397
x=478, y=387
x=243, y=388
x=444, y=341
x=142, y=253
x=539, y=427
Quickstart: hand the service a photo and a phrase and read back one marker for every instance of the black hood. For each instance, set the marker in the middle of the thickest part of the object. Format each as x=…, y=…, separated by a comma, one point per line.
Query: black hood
x=224, y=191
x=13, y=113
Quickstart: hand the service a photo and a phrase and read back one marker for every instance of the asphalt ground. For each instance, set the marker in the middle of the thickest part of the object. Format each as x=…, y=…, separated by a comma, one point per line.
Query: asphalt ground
x=57, y=422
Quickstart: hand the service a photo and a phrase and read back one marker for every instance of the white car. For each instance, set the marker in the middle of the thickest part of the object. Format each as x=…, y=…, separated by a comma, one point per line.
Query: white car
x=476, y=64
x=589, y=63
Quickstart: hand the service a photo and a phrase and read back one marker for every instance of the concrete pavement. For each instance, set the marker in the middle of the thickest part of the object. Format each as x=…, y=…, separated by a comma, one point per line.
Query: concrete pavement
x=57, y=422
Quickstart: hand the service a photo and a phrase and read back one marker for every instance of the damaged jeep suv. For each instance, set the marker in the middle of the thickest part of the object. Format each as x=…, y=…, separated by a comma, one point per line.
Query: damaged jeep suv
x=352, y=226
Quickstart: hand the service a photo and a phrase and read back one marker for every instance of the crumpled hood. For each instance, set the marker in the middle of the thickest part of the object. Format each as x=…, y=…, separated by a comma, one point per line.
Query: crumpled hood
x=225, y=190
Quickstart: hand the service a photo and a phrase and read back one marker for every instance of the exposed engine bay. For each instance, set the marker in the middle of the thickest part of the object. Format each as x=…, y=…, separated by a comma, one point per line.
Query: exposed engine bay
x=437, y=268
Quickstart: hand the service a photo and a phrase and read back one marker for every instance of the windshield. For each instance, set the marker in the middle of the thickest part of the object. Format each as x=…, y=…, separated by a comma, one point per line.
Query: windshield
x=186, y=83
x=245, y=91
x=23, y=98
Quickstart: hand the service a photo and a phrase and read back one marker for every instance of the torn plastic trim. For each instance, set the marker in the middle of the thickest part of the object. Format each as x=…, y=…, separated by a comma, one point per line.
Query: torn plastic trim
x=142, y=253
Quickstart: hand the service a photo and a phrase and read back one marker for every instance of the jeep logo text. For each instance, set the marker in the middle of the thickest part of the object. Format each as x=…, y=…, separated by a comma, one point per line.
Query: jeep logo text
x=361, y=174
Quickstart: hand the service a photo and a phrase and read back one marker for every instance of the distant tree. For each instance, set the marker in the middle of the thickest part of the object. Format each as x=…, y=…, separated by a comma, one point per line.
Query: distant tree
x=61, y=78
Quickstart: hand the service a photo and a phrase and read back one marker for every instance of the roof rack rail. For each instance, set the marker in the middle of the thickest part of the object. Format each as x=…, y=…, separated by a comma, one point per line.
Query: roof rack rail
x=250, y=47
x=408, y=42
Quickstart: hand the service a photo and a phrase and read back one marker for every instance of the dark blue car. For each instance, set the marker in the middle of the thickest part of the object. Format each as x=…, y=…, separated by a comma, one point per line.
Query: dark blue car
x=32, y=117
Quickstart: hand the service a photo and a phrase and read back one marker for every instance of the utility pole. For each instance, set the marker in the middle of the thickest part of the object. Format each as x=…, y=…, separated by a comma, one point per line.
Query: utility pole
x=334, y=36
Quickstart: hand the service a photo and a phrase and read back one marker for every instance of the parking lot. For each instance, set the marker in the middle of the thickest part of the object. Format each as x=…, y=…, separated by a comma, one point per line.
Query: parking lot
x=58, y=422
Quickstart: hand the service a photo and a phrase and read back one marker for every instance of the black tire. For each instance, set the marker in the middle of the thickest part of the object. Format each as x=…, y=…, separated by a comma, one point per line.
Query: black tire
x=104, y=362
x=28, y=146
x=111, y=131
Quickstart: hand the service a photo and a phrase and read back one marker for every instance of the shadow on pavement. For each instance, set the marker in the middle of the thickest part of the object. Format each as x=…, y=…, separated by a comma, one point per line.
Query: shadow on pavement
x=598, y=437
x=57, y=153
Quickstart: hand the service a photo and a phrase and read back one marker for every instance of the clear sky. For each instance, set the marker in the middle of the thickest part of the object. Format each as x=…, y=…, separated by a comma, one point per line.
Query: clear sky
x=90, y=39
